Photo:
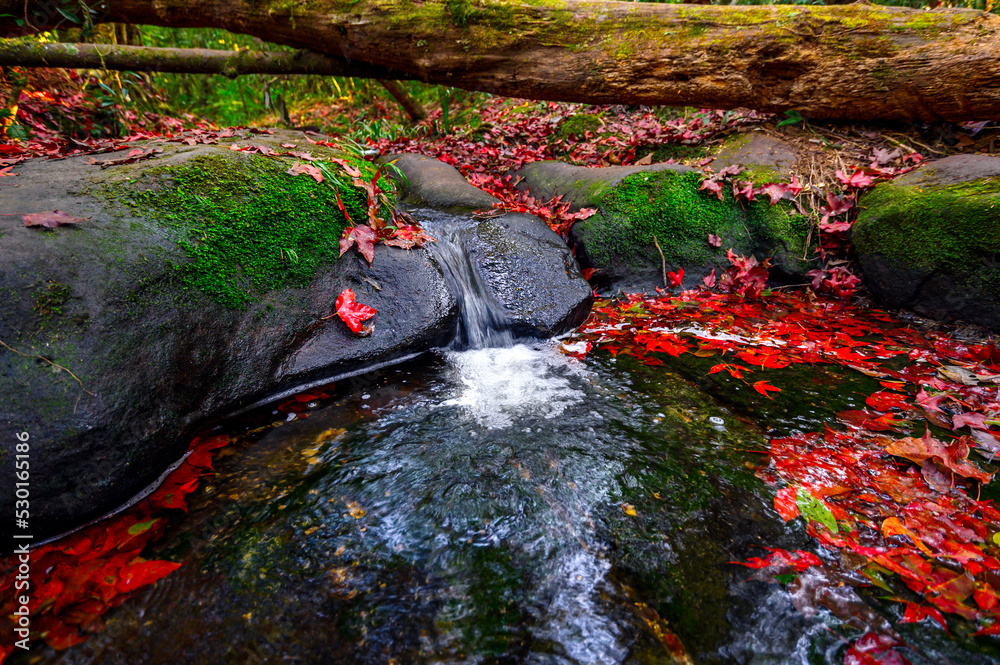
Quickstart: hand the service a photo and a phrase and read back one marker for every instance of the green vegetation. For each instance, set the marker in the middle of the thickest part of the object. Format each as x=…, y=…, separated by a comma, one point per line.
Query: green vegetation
x=669, y=206
x=49, y=301
x=246, y=225
x=952, y=227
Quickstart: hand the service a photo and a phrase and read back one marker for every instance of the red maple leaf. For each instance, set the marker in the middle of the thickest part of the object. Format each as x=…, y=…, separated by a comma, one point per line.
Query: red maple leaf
x=675, y=278
x=365, y=238
x=354, y=313
x=763, y=387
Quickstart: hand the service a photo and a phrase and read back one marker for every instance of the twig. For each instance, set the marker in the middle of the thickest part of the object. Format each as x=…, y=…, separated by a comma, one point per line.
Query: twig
x=56, y=365
x=663, y=262
x=922, y=145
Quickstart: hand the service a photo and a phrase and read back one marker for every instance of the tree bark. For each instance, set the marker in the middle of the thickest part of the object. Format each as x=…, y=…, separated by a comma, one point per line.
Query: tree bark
x=183, y=60
x=405, y=100
x=852, y=62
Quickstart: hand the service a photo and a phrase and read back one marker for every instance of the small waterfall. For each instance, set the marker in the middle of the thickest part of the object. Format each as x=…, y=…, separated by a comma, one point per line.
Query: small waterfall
x=483, y=323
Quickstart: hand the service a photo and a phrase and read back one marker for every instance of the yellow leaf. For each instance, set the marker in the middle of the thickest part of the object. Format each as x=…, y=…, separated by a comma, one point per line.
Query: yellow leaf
x=629, y=509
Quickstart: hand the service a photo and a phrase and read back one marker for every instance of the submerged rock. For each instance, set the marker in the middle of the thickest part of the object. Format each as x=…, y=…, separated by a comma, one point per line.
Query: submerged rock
x=527, y=268
x=200, y=282
x=929, y=240
x=639, y=207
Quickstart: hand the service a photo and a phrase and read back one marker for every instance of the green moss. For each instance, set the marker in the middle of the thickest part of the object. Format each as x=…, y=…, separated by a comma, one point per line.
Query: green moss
x=246, y=226
x=955, y=228
x=578, y=125
x=669, y=206
x=49, y=301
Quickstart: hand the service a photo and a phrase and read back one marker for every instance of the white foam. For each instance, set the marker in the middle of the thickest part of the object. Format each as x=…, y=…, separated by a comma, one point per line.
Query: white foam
x=499, y=385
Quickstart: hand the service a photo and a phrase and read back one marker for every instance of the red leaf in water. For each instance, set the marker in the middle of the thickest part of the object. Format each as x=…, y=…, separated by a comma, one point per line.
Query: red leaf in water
x=915, y=613
x=973, y=420
x=953, y=456
x=875, y=649
x=763, y=387
x=883, y=401
x=675, y=278
x=354, y=313
x=796, y=560
x=785, y=503
x=51, y=219
x=365, y=238
x=142, y=573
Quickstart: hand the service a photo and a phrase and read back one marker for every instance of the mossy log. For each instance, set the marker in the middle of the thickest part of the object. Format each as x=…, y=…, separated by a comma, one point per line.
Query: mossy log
x=183, y=60
x=852, y=62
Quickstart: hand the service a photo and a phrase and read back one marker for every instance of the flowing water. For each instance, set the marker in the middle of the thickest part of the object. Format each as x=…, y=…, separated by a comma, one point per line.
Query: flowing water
x=497, y=502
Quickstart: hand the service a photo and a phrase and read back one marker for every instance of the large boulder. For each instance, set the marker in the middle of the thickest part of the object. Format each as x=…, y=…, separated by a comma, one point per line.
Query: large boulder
x=929, y=240
x=640, y=207
x=200, y=281
x=527, y=269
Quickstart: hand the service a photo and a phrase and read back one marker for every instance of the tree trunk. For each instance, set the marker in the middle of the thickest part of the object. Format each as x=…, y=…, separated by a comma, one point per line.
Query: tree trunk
x=853, y=62
x=182, y=60
x=405, y=100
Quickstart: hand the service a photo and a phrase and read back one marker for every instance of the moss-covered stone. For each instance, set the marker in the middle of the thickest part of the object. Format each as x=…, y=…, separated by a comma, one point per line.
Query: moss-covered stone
x=245, y=224
x=578, y=125
x=930, y=241
x=669, y=207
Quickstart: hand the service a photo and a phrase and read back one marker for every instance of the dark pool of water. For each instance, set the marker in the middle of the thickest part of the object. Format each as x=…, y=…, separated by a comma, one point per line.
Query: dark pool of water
x=489, y=506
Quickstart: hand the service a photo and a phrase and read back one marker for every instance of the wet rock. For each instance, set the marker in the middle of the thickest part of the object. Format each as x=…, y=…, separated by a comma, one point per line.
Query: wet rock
x=929, y=241
x=530, y=272
x=527, y=268
x=122, y=343
x=637, y=205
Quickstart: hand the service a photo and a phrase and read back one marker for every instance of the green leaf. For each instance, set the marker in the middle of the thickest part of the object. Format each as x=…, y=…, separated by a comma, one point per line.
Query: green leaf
x=785, y=579
x=791, y=118
x=815, y=510
x=140, y=527
x=68, y=15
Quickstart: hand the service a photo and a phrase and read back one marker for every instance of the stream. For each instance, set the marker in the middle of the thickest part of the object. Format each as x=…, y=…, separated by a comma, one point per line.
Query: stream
x=495, y=502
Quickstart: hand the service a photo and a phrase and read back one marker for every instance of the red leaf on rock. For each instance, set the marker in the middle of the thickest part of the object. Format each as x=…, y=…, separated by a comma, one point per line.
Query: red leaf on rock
x=709, y=279
x=354, y=313
x=714, y=240
x=308, y=169
x=365, y=238
x=51, y=219
x=675, y=277
x=713, y=186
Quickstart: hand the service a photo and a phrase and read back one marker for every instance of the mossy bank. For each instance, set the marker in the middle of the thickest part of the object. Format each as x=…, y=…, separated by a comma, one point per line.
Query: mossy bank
x=930, y=240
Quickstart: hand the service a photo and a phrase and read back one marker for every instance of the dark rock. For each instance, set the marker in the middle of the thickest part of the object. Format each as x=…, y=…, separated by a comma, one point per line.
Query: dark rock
x=153, y=358
x=531, y=273
x=526, y=267
x=431, y=182
x=929, y=240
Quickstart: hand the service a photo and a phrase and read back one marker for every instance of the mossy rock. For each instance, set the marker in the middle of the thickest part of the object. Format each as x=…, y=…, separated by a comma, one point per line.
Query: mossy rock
x=930, y=240
x=668, y=207
x=578, y=124
x=197, y=284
